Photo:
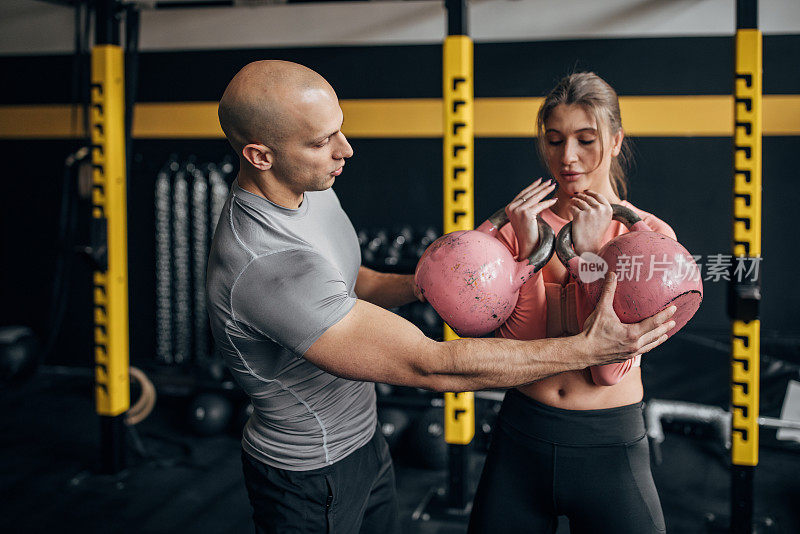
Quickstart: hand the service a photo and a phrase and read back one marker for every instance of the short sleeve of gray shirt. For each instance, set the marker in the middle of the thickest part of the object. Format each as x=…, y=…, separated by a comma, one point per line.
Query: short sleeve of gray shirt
x=290, y=296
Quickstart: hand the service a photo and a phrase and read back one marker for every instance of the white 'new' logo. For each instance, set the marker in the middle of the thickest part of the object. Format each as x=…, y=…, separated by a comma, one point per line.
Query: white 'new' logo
x=592, y=268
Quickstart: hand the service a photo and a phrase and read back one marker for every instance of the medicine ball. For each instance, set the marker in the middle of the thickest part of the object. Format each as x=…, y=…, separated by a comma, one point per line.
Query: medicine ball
x=243, y=415
x=427, y=439
x=209, y=413
x=393, y=424
x=19, y=354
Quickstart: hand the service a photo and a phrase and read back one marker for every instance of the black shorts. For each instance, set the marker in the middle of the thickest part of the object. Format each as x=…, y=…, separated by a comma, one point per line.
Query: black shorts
x=592, y=466
x=354, y=495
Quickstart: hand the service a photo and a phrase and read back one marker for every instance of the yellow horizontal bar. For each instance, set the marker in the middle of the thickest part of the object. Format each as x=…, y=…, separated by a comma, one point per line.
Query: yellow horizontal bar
x=690, y=116
x=781, y=114
x=644, y=116
x=183, y=120
x=506, y=117
x=42, y=121
x=419, y=117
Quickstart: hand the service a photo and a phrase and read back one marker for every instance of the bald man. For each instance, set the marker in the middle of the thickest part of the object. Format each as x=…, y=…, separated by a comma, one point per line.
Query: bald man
x=304, y=329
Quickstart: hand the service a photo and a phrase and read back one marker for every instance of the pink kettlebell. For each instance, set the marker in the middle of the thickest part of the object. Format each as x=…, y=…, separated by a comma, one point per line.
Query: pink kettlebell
x=653, y=271
x=472, y=280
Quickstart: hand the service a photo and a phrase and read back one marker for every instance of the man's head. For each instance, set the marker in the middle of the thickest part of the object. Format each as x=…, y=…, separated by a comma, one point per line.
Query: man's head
x=284, y=122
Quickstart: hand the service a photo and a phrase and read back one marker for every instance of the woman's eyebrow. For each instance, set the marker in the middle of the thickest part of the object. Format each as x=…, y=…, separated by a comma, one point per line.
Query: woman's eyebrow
x=592, y=130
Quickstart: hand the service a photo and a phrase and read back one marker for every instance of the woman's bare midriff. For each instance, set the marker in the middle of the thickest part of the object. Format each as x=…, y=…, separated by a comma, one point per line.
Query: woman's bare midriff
x=574, y=390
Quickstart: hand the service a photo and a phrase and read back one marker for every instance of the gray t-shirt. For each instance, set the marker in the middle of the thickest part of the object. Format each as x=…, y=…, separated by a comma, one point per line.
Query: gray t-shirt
x=277, y=279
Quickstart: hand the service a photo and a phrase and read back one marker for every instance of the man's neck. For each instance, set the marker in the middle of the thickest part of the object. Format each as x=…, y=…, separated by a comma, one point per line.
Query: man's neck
x=265, y=186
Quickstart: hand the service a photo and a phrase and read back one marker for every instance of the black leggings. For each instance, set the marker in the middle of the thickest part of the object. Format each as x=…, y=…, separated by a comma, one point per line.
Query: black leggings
x=592, y=466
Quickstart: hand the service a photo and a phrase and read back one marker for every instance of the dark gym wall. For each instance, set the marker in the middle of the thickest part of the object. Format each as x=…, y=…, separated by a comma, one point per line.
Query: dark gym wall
x=651, y=66
x=686, y=180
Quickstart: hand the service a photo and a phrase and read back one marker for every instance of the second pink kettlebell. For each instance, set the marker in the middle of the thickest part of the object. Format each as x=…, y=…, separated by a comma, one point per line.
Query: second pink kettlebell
x=653, y=271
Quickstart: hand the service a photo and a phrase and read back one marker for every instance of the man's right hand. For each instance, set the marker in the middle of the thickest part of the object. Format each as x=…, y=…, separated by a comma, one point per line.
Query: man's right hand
x=610, y=341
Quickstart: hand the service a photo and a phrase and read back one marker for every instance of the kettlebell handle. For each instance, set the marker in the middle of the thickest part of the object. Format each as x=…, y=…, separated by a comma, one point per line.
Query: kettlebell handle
x=564, y=246
x=542, y=254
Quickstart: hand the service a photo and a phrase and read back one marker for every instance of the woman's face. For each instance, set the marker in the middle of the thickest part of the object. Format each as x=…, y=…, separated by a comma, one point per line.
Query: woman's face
x=573, y=150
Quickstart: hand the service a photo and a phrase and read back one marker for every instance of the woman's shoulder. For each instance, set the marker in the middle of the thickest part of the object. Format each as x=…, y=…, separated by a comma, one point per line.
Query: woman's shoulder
x=652, y=221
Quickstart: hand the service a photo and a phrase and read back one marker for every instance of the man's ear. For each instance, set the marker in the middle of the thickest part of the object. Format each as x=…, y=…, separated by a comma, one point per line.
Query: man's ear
x=259, y=156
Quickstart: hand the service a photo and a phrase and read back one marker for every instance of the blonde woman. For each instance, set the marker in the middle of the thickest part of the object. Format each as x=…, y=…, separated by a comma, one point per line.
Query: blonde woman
x=572, y=444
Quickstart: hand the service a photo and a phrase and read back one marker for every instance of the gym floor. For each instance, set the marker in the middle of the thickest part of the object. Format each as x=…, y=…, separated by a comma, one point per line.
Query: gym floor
x=183, y=483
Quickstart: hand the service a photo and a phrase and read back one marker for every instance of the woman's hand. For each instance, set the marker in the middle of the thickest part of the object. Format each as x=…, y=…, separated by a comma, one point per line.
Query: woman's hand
x=522, y=212
x=591, y=215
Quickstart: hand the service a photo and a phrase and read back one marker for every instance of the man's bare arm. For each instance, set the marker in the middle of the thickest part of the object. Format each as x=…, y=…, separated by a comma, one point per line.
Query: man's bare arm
x=385, y=289
x=372, y=344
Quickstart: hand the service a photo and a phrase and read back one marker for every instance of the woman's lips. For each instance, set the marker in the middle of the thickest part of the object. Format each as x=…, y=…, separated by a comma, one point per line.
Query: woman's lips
x=570, y=176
